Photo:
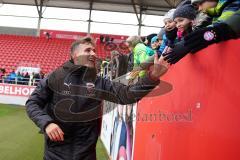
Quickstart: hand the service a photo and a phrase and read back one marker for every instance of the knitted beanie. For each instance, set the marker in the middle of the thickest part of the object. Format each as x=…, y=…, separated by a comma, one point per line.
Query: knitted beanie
x=169, y=14
x=185, y=10
x=154, y=39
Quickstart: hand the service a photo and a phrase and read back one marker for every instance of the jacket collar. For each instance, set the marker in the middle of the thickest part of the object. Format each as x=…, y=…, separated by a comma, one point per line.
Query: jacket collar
x=89, y=74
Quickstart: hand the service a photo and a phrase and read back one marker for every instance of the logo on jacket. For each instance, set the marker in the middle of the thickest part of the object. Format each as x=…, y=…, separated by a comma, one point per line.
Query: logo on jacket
x=90, y=88
x=208, y=36
x=66, y=92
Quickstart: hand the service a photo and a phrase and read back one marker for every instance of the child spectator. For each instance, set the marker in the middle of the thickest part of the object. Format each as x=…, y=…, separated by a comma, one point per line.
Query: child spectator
x=202, y=18
x=147, y=40
x=169, y=37
x=218, y=10
x=184, y=16
x=155, y=43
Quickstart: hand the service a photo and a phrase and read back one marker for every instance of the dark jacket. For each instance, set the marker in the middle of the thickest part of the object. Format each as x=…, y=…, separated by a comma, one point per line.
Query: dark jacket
x=234, y=22
x=62, y=98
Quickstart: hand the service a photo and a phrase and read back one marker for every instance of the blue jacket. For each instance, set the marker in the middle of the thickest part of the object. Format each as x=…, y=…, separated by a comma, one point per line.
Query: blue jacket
x=166, y=42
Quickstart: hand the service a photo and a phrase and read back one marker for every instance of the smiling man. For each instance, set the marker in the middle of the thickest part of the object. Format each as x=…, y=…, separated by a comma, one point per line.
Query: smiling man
x=66, y=105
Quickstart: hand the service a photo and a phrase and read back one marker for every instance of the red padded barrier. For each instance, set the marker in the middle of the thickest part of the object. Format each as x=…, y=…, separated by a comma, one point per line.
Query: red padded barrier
x=199, y=119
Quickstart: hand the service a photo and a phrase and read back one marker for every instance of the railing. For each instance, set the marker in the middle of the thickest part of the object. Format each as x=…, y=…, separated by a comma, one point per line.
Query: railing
x=20, y=80
x=110, y=71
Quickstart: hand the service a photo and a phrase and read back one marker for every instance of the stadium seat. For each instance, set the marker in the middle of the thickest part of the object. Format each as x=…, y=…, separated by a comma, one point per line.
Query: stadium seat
x=49, y=54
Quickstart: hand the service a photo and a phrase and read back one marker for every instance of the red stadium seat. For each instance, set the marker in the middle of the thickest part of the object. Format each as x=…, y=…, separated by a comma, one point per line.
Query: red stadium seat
x=49, y=54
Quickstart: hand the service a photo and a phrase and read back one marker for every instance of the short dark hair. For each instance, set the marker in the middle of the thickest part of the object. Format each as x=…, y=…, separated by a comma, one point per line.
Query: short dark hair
x=83, y=40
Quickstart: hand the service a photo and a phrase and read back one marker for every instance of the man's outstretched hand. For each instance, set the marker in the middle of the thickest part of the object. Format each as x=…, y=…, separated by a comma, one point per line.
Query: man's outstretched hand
x=160, y=67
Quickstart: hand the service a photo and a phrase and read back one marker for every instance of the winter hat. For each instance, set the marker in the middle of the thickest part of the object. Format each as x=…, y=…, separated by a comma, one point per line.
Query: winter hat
x=154, y=39
x=149, y=38
x=185, y=10
x=169, y=14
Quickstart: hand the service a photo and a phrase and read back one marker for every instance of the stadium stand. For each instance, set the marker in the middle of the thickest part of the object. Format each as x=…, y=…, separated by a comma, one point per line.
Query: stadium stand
x=38, y=51
x=47, y=53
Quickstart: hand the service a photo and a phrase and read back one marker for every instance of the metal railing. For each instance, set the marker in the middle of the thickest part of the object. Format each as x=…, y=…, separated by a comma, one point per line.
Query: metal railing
x=19, y=80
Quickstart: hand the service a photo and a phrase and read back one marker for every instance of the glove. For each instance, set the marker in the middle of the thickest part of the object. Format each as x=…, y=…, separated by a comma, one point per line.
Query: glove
x=203, y=37
x=177, y=53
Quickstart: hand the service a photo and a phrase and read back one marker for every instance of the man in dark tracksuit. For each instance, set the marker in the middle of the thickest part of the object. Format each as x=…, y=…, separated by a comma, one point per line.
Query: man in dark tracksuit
x=66, y=104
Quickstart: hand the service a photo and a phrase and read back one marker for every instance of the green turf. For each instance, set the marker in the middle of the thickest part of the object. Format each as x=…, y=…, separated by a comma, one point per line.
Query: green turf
x=19, y=137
